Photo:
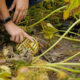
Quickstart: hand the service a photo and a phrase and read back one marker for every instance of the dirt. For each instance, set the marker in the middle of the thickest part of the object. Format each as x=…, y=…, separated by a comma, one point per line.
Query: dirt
x=62, y=51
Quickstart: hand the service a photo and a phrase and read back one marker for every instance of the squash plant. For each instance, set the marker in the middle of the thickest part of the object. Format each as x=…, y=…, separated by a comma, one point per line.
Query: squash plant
x=72, y=9
x=37, y=69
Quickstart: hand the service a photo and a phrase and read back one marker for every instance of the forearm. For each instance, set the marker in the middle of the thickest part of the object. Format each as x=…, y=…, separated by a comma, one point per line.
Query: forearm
x=3, y=9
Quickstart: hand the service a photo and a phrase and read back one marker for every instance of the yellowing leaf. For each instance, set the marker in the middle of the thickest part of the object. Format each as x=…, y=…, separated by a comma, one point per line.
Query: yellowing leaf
x=47, y=0
x=6, y=69
x=5, y=51
x=61, y=75
x=67, y=0
x=2, y=79
x=21, y=77
x=48, y=30
x=73, y=8
x=5, y=72
x=25, y=73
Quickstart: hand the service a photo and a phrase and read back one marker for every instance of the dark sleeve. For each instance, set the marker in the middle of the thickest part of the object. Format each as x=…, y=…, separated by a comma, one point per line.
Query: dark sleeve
x=32, y=2
x=8, y=3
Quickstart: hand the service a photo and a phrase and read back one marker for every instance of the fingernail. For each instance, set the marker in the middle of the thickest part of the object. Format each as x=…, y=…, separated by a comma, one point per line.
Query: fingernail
x=31, y=40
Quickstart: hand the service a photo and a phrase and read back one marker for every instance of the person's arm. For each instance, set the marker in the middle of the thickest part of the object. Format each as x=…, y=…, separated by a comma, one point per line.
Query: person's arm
x=3, y=9
x=16, y=33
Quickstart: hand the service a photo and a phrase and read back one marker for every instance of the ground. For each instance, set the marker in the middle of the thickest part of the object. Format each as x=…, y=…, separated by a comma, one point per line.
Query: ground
x=62, y=51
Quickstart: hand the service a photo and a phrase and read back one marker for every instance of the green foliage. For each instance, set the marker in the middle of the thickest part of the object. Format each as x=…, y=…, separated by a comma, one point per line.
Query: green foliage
x=36, y=68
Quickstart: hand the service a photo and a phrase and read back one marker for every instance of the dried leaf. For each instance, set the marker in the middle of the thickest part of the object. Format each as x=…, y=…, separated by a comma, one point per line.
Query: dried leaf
x=28, y=73
x=25, y=73
x=5, y=51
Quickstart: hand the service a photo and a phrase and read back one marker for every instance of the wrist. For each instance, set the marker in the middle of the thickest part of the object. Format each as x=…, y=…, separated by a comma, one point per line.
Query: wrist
x=8, y=23
x=6, y=20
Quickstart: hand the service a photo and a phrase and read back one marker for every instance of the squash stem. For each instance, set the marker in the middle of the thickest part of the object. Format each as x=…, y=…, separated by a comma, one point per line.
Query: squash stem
x=57, y=40
x=68, y=38
x=57, y=10
x=68, y=59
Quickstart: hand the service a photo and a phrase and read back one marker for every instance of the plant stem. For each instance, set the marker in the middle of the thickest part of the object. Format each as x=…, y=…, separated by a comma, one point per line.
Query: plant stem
x=45, y=67
x=77, y=40
x=66, y=60
x=48, y=67
x=67, y=64
x=57, y=41
x=69, y=32
x=68, y=69
x=75, y=17
x=31, y=26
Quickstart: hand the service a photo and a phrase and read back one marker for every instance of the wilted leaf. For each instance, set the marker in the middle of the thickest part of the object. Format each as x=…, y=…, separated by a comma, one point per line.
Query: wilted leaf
x=61, y=75
x=25, y=73
x=48, y=30
x=47, y=0
x=5, y=51
x=5, y=72
x=2, y=58
x=2, y=79
x=73, y=8
x=30, y=73
x=67, y=0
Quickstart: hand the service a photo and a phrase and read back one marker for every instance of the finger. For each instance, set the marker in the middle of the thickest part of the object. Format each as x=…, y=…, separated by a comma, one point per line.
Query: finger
x=12, y=38
x=12, y=6
x=15, y=15
x=21, y=38
x=19, y=18
x=23, y=16
x=27, y=36
x=17, y=39
x=25, y=13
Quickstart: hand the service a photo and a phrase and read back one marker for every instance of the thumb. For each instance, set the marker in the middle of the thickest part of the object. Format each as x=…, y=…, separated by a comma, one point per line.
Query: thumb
x=12, y=6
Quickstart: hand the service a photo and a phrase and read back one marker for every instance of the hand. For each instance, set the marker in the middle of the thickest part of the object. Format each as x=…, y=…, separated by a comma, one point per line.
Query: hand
x=17, y=34
x=21, y=9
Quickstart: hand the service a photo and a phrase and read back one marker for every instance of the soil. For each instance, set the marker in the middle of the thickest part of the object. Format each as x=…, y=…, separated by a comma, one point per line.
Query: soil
x=62, y=51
